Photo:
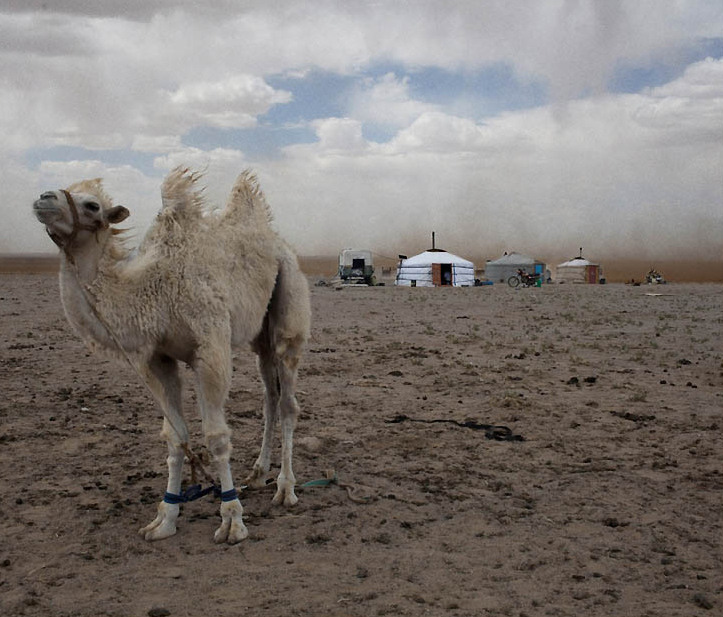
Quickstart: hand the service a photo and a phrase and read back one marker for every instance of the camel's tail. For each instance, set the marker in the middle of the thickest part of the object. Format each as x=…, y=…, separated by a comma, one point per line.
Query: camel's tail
x=247, y=201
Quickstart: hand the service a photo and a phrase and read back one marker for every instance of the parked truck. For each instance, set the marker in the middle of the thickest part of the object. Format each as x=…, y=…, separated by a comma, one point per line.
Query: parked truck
x=356, y=267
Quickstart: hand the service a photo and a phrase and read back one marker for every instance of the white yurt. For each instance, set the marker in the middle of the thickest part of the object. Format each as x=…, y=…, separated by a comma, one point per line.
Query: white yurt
x=435, y=268
x=579, y=270
x=499, y=270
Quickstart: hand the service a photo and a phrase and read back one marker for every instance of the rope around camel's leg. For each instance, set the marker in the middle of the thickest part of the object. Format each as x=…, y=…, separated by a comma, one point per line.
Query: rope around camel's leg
x=213, y=373
x=164, y=525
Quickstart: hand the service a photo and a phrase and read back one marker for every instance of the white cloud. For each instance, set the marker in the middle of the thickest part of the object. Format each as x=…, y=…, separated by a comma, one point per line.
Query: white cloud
x=232, y=103
x=522, y=180
x=689, y=108
x=87, y=75
x=156, y=144
x=702, y=80
x=339, y=135
x=439, y=132
x=620, y=170
x=200, y=159
x=387, y=102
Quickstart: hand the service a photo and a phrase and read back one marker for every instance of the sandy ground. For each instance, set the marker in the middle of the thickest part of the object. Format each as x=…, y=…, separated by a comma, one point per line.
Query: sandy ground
x=610, y=506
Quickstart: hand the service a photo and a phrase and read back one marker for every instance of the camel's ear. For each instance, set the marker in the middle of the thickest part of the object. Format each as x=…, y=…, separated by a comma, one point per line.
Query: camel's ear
x=117, y=214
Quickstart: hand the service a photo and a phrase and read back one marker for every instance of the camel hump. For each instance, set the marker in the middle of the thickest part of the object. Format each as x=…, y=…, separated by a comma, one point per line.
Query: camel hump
x=182, y=197
x=247, y=200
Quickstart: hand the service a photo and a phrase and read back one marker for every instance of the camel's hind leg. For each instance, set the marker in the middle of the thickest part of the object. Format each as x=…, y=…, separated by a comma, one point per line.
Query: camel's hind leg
x=270, y=377
x=279, y=346
x=278, y=368
x=213, y=372
x=161, y=376
x=287, y=363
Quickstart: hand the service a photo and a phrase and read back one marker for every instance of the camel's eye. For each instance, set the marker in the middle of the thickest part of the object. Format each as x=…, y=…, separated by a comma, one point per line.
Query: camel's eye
x=92, y=206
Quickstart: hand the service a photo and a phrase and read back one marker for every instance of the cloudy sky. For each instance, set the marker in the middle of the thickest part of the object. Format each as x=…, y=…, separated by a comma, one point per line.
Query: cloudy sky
x=537, y=126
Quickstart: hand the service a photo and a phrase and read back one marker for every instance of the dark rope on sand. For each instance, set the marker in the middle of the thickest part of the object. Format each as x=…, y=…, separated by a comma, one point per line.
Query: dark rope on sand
x=492, y=431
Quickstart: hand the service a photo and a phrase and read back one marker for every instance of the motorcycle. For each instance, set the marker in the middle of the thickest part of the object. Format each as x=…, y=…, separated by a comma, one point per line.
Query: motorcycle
x=522, y=279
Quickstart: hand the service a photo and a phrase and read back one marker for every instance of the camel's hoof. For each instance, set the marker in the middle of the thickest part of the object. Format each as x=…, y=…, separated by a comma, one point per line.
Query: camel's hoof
x=232, y=529
x=258, y=478
x=164, y=525
x=285, y=495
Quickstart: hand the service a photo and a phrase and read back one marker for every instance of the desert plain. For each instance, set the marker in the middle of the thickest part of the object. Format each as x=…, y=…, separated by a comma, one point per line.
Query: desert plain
x=608, y=503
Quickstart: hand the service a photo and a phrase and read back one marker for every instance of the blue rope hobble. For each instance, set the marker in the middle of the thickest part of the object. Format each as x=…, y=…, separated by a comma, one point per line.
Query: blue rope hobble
x=229, y=495
x=194, y=492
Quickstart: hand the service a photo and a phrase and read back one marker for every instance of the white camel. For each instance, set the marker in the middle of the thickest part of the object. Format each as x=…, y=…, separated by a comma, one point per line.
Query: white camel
x=200, y=283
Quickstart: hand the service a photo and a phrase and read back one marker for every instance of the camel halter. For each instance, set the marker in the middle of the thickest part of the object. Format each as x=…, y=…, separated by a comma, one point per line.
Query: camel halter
x=65, y=243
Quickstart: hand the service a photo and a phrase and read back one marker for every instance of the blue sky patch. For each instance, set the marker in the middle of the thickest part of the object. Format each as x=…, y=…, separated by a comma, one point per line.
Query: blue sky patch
x=492, y=89
x=319, y=94
x=262, y=141
x=630, y=79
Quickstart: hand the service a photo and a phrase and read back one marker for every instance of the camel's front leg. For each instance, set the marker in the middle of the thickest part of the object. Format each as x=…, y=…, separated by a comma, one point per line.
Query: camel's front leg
x=161, y=376
x=232, y=529
x=164, y=525
x=213, y=370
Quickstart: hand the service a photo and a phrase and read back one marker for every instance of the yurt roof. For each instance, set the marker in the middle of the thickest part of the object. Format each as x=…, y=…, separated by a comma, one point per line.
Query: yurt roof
x=577, y=261
x=513, y=259
x=436, y=257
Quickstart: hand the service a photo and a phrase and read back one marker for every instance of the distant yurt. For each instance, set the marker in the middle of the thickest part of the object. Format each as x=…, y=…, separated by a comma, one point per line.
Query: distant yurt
x=499, y=270
x=435, y=268
x=579, y=270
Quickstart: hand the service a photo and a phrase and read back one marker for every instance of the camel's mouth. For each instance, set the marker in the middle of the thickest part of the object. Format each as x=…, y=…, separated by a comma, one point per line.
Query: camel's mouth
x=47, y=209
x=46, y=205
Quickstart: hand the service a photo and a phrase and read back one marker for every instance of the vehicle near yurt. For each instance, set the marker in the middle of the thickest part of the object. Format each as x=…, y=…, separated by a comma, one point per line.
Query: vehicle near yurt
x=500, y=270
x=579, y=270
x=356, y=267
x=435, y=268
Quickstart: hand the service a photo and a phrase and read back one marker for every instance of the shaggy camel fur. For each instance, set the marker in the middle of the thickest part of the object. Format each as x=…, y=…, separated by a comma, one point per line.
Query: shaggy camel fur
x=200, y=283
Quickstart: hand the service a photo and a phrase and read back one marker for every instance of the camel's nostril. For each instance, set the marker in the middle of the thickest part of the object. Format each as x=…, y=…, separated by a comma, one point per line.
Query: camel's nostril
x=48, y=195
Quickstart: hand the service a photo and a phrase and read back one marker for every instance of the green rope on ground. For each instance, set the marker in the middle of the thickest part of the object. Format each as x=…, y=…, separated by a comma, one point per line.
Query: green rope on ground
x=333, y=478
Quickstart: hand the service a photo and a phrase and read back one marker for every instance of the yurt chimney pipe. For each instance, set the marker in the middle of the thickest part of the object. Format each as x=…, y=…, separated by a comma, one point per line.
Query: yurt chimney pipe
x=433, y=246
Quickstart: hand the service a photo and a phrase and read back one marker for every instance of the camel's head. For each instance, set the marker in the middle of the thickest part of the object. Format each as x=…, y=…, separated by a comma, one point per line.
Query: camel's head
x=73, y=216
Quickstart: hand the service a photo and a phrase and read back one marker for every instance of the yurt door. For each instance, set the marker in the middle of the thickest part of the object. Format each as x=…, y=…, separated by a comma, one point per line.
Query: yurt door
x=441, y=274
x=436, y=274
x=592, y=274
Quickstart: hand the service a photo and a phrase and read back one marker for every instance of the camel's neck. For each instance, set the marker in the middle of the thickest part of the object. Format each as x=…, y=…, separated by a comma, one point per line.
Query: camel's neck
x=80, y=267
x=83, y=273
x=86, y=262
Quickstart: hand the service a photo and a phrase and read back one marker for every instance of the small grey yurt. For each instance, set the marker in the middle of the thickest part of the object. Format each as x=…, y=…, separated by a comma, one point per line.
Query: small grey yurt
x=499, y=270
